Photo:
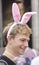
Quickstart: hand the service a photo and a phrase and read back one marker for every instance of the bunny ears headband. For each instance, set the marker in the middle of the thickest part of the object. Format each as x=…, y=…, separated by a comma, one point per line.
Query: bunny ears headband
x=16, y=16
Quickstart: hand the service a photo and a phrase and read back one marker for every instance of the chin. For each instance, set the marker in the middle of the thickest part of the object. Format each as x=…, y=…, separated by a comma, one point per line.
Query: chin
x=21, y=53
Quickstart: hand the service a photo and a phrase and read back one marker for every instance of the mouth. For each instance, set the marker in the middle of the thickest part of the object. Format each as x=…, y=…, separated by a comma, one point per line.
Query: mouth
x=23, y=48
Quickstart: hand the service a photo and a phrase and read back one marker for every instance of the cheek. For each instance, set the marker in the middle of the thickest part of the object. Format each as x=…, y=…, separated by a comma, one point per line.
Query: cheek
x=18, y=43
x=26, y=43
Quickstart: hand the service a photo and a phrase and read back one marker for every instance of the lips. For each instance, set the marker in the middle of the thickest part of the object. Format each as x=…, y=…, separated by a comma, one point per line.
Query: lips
x=23, y=48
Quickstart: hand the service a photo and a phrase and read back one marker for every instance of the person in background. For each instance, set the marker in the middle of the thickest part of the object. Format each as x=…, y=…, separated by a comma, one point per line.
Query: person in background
x=17, y=36
x=30, y=54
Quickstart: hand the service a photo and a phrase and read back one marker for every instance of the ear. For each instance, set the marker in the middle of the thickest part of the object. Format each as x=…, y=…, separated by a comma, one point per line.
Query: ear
x=15, y=12
x=9, y=38
x=27, y=16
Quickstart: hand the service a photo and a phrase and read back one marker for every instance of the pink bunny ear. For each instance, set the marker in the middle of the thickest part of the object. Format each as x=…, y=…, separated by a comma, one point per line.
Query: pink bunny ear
x=15, y=12
x=27, y=16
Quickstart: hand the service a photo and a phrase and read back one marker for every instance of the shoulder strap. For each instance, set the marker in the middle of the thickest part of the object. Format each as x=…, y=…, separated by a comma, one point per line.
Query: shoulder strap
x=3, y=62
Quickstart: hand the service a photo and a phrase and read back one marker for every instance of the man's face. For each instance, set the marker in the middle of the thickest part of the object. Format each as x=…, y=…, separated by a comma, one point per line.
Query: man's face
x=20, y=43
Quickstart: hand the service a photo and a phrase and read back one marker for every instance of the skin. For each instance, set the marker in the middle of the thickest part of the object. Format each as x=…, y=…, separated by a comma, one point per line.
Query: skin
x=16, y=46
x=19, y=43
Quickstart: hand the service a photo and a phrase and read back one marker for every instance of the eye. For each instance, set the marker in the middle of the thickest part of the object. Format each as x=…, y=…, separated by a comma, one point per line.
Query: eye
x=23, y=40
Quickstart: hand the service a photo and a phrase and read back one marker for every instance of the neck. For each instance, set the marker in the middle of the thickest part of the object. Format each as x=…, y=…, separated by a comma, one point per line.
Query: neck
x=10, y=54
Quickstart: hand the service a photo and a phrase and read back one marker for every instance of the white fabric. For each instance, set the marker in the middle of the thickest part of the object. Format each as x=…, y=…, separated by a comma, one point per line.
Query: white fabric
x=11, y=27
x=35, y=61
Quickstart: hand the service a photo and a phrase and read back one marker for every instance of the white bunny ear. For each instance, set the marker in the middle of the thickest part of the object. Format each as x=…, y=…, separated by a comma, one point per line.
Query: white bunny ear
x=27, y=16
x=15, y=12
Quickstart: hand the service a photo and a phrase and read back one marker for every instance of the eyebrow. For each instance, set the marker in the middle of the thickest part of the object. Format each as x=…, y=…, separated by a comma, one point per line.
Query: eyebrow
x=25, y=39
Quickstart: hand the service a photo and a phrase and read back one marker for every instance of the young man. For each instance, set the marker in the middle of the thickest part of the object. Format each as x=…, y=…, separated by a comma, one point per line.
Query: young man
x=17, y=37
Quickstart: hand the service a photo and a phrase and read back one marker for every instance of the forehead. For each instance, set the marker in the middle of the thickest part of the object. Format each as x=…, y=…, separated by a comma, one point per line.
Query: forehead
x=21, y=36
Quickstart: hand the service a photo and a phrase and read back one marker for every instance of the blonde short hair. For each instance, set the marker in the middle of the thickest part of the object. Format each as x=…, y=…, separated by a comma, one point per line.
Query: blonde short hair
x=19, y=28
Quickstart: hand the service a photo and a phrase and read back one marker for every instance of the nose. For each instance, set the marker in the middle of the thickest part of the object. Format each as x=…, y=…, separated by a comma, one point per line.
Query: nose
x=26, y=44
